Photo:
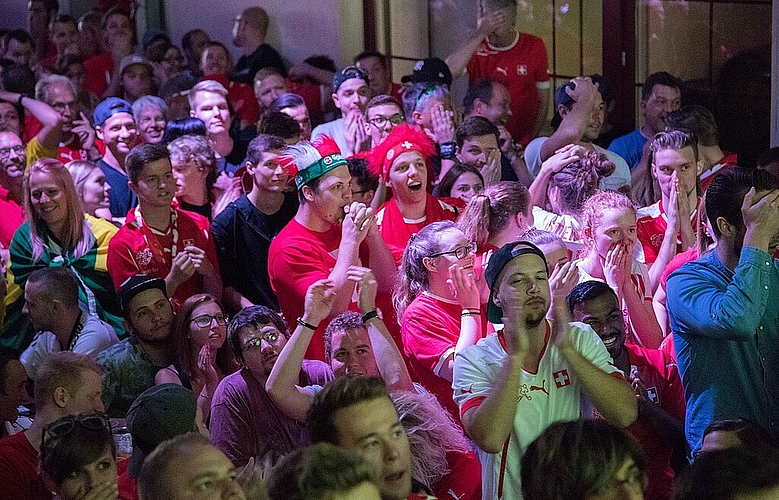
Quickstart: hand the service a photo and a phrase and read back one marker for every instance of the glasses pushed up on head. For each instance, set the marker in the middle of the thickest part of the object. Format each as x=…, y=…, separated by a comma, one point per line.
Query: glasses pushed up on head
x=206, y=320
x=460, y=252
x=65, y=425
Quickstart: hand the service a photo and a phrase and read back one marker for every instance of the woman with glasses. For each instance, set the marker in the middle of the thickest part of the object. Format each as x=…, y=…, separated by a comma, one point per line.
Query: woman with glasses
x=438, y=300
x=584, y=460
x=78, y=458
x=58, y=234
x=203, y=358
x=172, y=62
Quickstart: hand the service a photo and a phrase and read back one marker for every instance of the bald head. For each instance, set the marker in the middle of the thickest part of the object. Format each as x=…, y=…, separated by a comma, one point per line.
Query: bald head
x=256, y=19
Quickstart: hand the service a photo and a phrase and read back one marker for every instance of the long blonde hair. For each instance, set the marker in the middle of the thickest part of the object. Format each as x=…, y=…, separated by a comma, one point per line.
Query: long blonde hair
x=76, y=238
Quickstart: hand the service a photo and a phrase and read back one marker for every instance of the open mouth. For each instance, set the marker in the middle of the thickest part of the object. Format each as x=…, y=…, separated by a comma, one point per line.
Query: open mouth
x=415, y=186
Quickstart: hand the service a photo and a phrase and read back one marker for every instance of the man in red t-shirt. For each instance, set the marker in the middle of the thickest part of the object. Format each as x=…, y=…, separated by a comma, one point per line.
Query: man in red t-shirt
x=77, y=139
x=403, y=157
x=379, y=74
x=118, y=31
x=668, y=226
x=654, y=376
x=159, y=239
x=497, y=51
x=700, y=121
x=325, y=237
x=66, y=383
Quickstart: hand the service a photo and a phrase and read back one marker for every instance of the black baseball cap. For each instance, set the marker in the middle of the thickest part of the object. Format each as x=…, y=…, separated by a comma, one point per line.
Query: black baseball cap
x=134, y=285
x=498, y=261
x=432, y=69
x=348, y=73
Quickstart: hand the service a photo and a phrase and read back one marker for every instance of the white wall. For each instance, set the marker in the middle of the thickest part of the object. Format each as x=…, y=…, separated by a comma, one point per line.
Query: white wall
x=298, y=28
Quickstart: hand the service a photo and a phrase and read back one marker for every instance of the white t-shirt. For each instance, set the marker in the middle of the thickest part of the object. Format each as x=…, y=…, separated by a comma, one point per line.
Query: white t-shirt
x=550, y=395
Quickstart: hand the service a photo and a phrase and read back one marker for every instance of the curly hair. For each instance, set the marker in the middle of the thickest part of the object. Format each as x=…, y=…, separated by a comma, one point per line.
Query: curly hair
x=578, y=181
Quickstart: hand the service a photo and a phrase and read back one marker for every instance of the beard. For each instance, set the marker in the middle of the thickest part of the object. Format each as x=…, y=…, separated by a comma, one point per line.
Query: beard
x=533, y=319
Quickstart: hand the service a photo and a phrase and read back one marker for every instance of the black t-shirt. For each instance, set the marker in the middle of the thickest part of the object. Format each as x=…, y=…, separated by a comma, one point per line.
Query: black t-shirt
x=242, y=235
x=263, y=57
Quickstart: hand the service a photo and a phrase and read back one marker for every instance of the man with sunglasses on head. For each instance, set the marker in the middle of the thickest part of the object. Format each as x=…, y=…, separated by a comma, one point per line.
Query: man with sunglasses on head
x=350, y=94
x=66, y=383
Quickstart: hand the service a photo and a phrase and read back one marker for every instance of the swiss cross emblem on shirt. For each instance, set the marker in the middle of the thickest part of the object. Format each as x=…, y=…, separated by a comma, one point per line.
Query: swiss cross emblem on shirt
x=561, y=379
x=651, y=395
x=522, y=69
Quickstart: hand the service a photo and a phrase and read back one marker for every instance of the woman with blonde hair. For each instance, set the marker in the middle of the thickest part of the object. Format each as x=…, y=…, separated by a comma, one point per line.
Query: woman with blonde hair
x=608, y=222
x=58, y=234
x=91, y=188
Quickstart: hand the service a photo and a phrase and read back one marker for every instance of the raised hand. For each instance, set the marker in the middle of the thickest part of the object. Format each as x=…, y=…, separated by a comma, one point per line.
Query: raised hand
x=367, y=286
x=443, y=123
x=357, y=222
x=462, y=281
x=761, y=217
x=491, y=171
x=491, y=21
x=83, y=129
x=319, y=301
x=562, y=158
x=617, y=265
x=563, y=278
x=205, y=364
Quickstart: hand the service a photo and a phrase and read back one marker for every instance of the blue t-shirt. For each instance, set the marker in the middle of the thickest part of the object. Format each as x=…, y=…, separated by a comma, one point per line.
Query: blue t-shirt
x=120, y=196
x=629, y=146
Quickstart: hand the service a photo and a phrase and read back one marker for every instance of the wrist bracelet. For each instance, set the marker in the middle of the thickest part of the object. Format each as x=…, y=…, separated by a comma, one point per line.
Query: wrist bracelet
x=448, y=150
x=474, y=310
x=370, y=315
x=21, y=96
x=470, y=313
x=306, y=325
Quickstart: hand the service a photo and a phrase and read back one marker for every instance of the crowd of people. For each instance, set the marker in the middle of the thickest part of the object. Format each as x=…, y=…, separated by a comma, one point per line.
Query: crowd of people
x=272, y=281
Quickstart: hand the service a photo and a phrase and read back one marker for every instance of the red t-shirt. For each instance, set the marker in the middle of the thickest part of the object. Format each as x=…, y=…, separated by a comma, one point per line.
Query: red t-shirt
x=99, y=70
x=523, y=68
x=19, y=477
x=396, y=230
x=297, y=258
x=12, y=217
x=312, y=95
x=129, y=252
x=650, y=229
x=664, y=387
x=463, y=481
x=728, y=161
x=430, y=330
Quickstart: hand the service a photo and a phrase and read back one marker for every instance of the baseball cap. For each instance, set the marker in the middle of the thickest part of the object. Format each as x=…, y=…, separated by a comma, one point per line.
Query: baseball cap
x=432, y=69
x=128, y=61
x=498, y=260
x=134, y=285
x=160, y=413
x=108, y=108
x=348, y=73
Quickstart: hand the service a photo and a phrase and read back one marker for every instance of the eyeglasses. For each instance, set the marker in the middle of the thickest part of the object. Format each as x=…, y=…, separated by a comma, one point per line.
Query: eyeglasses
x=65, y=425
x=19, y=150
x=206, y=320
x=459, y=252
x=381, y=120
x=59, y=107
x=256, y=342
